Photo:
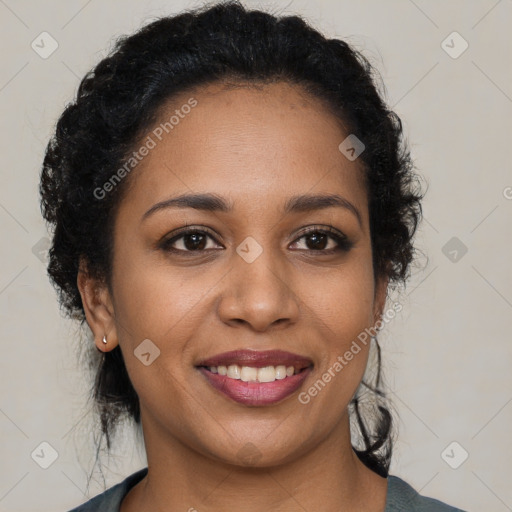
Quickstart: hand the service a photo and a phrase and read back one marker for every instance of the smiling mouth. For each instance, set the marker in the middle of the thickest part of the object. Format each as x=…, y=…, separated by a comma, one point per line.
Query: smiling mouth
x=256, y=378
x=245, y=388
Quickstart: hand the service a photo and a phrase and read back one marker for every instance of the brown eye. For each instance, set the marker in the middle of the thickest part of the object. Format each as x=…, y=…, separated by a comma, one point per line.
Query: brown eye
x=190, y=241
x=325, y=240
x=316, y=240
x=194, y=241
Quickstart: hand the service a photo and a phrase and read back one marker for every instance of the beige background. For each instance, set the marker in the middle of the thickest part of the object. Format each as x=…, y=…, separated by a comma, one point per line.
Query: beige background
x=448, y=354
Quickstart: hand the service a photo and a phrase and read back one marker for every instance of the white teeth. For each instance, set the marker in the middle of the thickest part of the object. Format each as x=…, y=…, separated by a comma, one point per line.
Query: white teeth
x=248, y=374
x=233, y=371
x=280, y=372
x=251, y=374
x=267, y=374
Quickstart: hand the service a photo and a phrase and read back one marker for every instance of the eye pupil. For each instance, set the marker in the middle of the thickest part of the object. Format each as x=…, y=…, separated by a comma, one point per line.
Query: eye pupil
x=318, y=241
x=194, y=241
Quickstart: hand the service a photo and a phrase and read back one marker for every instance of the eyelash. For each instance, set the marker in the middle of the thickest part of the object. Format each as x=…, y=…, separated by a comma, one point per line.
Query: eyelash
x=343, y=244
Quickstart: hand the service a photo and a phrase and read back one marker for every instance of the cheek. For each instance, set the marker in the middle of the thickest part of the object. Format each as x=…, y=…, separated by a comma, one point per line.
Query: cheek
x=343, y=307
x=342, y=299
x=152, y=299
x=166, y=306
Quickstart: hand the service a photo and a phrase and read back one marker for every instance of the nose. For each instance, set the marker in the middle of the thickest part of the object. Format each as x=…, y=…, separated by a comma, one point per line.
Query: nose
x=259, y=294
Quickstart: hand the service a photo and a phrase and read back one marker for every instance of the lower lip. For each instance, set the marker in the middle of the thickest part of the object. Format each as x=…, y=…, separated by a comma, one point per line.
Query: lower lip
x=256, y=393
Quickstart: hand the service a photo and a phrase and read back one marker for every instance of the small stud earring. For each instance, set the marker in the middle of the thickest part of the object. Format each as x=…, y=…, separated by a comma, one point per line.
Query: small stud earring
x=104, y=340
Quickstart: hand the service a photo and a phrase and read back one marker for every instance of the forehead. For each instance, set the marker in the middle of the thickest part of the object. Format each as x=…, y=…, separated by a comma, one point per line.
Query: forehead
x=248, y=142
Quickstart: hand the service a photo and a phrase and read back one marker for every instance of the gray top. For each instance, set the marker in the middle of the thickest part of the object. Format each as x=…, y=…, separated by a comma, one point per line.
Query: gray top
x=401, y=497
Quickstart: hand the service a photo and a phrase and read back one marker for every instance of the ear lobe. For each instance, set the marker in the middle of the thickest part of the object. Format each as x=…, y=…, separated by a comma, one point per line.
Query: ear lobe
x=98, y=307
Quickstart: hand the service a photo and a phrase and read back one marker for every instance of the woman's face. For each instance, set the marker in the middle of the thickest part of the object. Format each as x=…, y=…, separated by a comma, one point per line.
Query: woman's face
x=259, y=272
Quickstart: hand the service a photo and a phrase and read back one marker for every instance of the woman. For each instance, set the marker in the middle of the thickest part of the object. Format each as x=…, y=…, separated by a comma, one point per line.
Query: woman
x=231, y=201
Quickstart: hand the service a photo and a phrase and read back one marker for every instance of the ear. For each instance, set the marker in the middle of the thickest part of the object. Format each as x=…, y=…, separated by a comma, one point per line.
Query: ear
x=98, y=307
x=379, y=302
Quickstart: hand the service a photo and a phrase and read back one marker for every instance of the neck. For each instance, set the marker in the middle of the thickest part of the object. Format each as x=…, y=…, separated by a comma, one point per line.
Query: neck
x=182, y=479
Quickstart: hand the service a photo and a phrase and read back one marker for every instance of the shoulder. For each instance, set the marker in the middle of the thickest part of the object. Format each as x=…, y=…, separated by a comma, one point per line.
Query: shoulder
x=403, y=498
x=110, y=500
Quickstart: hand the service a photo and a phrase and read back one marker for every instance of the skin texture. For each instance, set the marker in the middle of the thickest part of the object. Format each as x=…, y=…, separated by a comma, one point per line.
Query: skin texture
x=254, y=146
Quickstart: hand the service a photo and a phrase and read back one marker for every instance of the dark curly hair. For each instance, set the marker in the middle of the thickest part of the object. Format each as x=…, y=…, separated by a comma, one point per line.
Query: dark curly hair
x=120, y=99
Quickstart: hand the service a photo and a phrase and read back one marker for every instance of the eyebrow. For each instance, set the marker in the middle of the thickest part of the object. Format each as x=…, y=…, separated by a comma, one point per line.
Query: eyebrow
x=213, y=203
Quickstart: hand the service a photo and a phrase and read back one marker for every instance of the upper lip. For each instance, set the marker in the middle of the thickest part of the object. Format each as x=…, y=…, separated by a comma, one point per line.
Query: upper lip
x=258, y=359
